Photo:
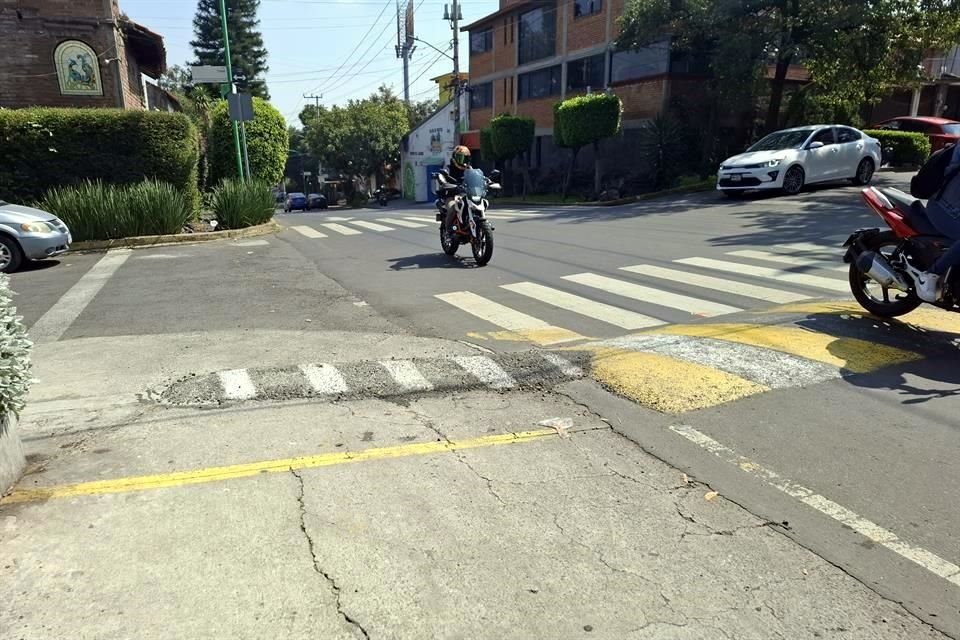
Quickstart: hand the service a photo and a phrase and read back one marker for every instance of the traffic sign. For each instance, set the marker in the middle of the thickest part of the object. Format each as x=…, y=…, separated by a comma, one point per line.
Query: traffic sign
x=206, y=74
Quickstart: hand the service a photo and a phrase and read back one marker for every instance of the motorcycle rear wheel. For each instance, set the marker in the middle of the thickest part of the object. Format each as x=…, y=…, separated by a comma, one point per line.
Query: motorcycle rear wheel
x=887, y=305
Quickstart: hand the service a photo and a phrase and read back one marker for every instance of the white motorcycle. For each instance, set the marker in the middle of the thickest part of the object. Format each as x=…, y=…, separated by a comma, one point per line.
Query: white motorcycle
x=469, y=199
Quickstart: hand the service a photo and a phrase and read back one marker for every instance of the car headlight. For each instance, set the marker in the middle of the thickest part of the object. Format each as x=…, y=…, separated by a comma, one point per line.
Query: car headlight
x=774, y=163
x=36, y=227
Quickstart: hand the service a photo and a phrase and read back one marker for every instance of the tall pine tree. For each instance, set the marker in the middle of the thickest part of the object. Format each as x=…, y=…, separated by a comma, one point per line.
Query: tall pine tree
x=247, y=53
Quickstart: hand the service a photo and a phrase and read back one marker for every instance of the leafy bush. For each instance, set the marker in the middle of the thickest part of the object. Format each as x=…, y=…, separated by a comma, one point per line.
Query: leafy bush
x=239, y=204
x=486, y=146
x=15, y=377
x=908, y=148
x=662, y=144
x=511, y=136
x=588, y=119
x=267, y=143
x=98, y=211
x=43, y=148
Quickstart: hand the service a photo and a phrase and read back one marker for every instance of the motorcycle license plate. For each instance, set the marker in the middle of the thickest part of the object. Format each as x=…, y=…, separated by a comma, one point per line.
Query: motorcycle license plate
x=736, y=177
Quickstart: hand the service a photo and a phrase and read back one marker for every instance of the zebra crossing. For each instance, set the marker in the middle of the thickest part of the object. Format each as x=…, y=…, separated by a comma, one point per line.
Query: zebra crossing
x=643, y=296
x=337, y=226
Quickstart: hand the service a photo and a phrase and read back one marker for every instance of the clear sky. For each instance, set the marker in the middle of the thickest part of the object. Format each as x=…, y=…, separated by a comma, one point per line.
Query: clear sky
x=313, y=45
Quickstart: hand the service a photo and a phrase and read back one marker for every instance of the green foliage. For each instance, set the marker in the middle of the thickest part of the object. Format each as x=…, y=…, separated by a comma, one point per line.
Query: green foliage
x=909, y=149
x=247, y=53
x=15, y=366
x=43, y=148
x=267, y=143
x=360, y=138
x=486, y=145
x=662, y=144
x=558, y=138
x=512, y=136
x=98, y=211
x=588, y=119
x=420, y=111
x=239, y=204
x=809, y=105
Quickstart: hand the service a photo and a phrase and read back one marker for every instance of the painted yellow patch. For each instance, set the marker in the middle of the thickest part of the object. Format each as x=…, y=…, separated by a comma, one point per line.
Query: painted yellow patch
x=927, y=318
x=667, y=385
x=851, y=354
x=233, y=472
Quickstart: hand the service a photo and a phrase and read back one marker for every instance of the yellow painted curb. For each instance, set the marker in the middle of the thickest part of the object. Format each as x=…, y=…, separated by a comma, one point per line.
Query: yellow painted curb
x=927, y=318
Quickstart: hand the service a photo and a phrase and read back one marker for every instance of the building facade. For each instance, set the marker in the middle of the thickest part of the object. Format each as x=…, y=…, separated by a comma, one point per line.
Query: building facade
x=78, y=53
x=426, y=150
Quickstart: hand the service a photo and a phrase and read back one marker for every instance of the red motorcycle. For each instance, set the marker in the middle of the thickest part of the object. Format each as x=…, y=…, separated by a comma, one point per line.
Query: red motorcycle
x=884, y=265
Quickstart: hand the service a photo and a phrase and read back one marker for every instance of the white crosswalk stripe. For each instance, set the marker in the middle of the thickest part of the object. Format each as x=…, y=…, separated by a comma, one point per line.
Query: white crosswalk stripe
x=486, y=371
x=717, y=284
x=308, y=232
x=406, y=375
x=584, y=306
x=420, y=218
x=818, y=282
x=373, y=226
x=652, y=296
x=781, y=258
x=339, y=228
x=402, y=223
x=492, y=312
x=237, y=385
x=808, y=247
x=324, y=378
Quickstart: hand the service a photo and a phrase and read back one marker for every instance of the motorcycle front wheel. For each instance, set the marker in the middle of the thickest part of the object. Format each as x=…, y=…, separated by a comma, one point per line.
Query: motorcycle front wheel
x=482, y=245
x=878, y=300
x=448, y=243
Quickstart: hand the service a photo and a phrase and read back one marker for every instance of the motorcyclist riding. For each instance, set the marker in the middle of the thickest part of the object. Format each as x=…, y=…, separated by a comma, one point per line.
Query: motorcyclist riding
x=459, y=163
x=943, y=211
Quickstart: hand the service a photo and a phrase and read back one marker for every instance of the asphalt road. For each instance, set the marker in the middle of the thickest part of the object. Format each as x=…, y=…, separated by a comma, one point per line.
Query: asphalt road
x=838, y=430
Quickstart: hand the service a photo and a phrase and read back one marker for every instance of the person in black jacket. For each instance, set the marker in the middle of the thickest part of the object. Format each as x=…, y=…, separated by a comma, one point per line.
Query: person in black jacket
x=459, y=163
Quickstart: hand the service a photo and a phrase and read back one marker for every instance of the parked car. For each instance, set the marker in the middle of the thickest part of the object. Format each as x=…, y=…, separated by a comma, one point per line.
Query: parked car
x=792, y=158
x=940, y=130
x=29, y=234
x=296, y=201
x=316, y=201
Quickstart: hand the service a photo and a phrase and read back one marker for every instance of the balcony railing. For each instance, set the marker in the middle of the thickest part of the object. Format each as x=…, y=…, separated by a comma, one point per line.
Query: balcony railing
x=945, y=67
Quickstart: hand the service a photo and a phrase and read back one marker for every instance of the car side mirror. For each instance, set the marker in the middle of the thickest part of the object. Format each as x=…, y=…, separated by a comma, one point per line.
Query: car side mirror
x=495, y=175
x=814, y=145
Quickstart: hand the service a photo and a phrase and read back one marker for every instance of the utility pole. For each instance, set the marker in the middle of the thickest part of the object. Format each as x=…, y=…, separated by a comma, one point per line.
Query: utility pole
x=233, y=88
x=317, y=100
x=455, y=16
x=405, y=46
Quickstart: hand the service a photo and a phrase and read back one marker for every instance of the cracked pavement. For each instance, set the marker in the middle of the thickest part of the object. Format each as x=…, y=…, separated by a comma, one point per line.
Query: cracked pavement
x=580, y=534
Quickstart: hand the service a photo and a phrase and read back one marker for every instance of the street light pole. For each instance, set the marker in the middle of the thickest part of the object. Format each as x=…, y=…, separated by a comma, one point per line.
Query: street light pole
x=233, y=89
x=455, y=16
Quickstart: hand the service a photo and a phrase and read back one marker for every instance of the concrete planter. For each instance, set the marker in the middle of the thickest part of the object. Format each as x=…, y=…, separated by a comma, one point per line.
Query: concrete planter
x=12, y=460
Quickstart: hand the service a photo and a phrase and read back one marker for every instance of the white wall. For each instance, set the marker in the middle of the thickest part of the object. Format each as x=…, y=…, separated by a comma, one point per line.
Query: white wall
x=429, y=144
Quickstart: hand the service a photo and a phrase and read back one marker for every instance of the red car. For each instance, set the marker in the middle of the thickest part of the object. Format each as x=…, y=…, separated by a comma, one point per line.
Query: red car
x=940, y=130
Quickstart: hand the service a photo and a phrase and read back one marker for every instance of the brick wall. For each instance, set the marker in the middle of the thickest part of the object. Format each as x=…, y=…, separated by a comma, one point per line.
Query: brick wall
x=504, y=95
x=587, y=31
x=540, y=110
x=643, y=99
x=32, y=30
x=617, y=6
x=479, y=118
x=505, y=43
x=481, y=64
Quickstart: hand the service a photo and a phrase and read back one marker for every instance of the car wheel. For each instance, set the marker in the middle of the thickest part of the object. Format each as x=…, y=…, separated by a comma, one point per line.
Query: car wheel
x=864, y=172
x=793, y=180
x=10, y=254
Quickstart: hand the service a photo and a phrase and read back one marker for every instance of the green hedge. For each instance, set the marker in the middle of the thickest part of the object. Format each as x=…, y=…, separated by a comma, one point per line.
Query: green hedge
x=42, y=148
x=239, y=204
x=267, y=144
x=15, y=368
x=910, y=149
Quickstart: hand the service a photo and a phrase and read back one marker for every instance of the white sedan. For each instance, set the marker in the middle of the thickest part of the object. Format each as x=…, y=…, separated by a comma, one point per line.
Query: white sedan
x=792, y=158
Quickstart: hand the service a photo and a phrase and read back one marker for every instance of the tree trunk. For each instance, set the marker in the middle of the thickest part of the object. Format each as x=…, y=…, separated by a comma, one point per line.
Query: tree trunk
x=597, y=174
x=570, y=169
x=526, y=173
x=776, y=92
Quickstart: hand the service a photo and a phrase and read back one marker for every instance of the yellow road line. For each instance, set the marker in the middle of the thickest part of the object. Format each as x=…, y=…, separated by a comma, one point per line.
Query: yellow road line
x=851, y=354
x=232, y=472
x=666, y=384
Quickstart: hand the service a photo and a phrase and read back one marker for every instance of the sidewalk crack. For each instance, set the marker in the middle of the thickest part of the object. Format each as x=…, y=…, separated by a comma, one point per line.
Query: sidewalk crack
x=334, y=587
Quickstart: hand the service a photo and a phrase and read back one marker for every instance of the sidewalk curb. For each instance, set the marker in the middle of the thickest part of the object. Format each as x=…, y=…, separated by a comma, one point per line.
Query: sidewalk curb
x=177, y=238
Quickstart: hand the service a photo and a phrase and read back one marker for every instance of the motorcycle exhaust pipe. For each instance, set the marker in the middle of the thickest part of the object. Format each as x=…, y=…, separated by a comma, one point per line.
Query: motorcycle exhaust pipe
x=877, y=267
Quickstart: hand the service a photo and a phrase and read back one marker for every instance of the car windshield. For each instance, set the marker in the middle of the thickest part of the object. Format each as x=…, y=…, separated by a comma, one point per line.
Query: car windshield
x=297, y=195
x=951, y=129
x=474, y=183
x=782, y=140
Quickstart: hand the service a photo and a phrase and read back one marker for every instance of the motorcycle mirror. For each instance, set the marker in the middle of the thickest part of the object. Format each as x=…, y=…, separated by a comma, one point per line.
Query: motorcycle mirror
x=493, y=186
x=495, y=175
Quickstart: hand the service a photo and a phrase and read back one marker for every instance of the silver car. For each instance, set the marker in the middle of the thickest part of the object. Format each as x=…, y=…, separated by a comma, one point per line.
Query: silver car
x=29, y=234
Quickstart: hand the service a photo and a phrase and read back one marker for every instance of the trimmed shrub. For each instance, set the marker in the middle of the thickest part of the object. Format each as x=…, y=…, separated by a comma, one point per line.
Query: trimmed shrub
x=909, y=148
x=44, y=148
x=239, y=204
x=98, y=211
x=15, y=376
x=511, y=136
x=267, y=143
